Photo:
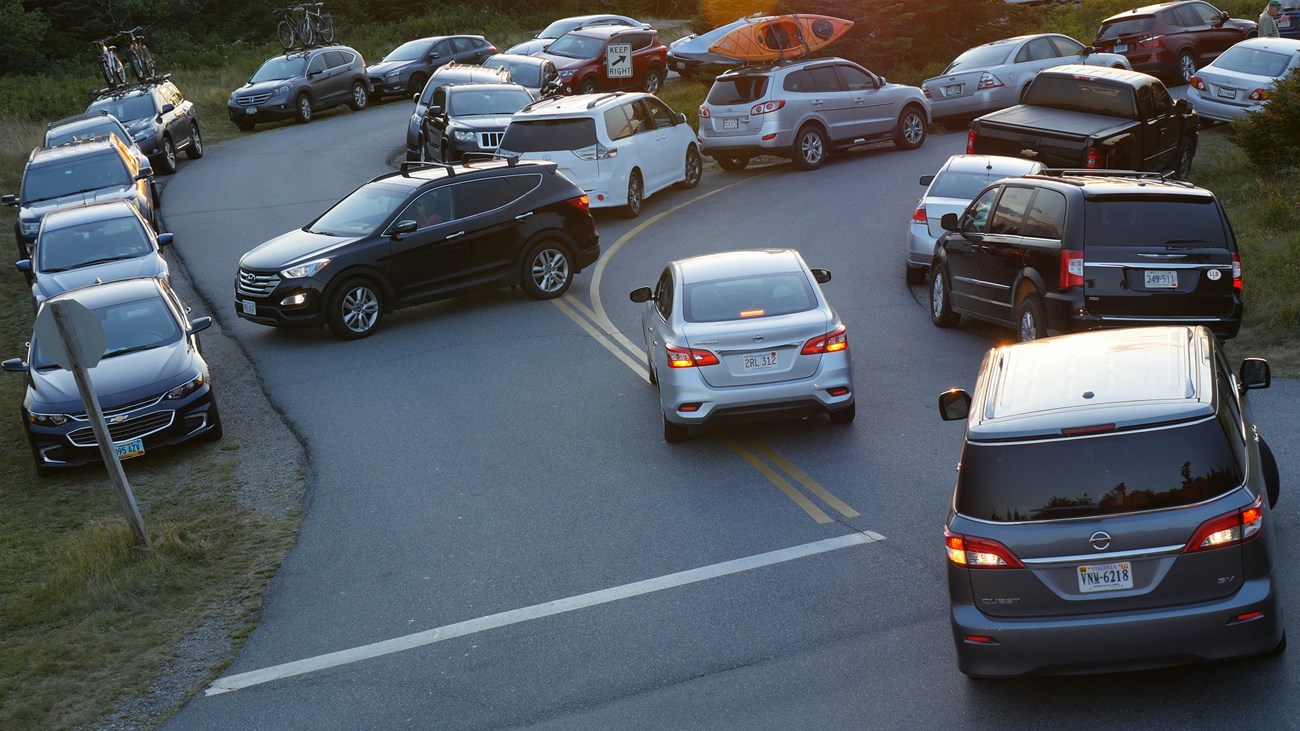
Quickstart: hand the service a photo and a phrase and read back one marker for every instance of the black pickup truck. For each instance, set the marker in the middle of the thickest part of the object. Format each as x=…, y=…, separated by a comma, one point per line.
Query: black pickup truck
x=1091, y=117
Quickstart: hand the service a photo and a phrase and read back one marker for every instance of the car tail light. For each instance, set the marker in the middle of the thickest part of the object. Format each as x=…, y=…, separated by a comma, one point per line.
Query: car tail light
x=1152, y=42
x=1095, y=159
x=582, y=203
x=596, y=152
x=1196, y=83
x=988, y=81
x=704, y=112
x=979, y=553
x=1236, y=272
x=971, y=138
x=918, y=216
x=1259, y=95
x=689, y=357
x=833, y=341
x=766, y=107
x=1228, y=529
x=1071, y=269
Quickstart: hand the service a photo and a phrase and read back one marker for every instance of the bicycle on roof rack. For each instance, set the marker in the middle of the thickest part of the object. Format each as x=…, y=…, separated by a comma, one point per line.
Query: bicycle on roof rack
x=302, y=25
x=110, y=66
x=141, y=58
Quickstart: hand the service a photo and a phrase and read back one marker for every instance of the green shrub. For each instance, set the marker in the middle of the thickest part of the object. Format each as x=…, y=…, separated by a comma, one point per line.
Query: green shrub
x=1268, y=135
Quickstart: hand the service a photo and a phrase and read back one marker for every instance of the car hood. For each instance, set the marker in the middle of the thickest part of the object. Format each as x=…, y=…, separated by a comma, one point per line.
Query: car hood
x=50, y=284
x=483, y=123
x=529, y=48
x=119, y=380
x=36, y=210
x=564, y=62
x=290, y=248
x=384, y=67
x=263, y=87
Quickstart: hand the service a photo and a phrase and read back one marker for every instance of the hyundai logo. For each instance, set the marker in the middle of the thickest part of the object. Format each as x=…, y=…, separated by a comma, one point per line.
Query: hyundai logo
x=1100, y=540
x=247, y=277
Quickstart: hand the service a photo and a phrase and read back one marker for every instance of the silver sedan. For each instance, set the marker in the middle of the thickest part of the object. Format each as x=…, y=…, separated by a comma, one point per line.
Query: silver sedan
x=744, y=335
x=995, y=75
x=1242, y=78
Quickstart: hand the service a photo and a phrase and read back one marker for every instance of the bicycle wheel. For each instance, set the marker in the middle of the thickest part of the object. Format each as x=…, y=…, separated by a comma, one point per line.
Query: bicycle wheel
x=325, y=27
x=146, y=59
x=119, y=71
x=137, y=64
x=285, y=34
x=106, y=71
x=305, y=35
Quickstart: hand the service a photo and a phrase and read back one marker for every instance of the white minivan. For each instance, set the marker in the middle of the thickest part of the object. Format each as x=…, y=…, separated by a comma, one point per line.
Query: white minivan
x=620, y=147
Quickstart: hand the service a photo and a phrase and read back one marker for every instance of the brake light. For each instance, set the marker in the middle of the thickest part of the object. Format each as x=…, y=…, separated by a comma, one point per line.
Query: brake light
x=1071, y=269
x=704, y=112
x=1259, y=95
x=1196, y=83
x=971, y=137
x=1152, y=42
x=833, y=341
x=1094, y=160
x=689, y=357
x=766, y=107
x=988, y=81
x=596, y=152
x=1236, y=272
x=1228, y=529
x=582, y=203
x=918, y=216
x=979, y=553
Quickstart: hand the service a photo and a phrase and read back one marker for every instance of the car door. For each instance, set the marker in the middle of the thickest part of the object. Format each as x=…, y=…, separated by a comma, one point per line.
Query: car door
x=831, y=102
x=486, y=209
x=661, y=147
x=1034, y=56
x=656, y=320
x=442, y=53
x=1160, y=131
x=1209, y=34
x=168, y=102
x=435, y=123
x=623, y=125
x=1000, y=257
x=873, y=110
x=433, y=258
x=318, y=80
x=962, y=247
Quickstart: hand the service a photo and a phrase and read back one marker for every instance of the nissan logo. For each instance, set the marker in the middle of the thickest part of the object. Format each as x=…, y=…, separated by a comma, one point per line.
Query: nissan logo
x=1100, y=540
x=758, y=338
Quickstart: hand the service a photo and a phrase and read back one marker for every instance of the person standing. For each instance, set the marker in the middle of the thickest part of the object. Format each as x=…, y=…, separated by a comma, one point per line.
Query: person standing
x=1268, y=19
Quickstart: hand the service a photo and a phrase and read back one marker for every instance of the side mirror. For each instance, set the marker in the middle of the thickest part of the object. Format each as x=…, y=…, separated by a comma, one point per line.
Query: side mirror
x=435, y=111
x=14, y=365
x=144, y=174
x=1088, y=50
x=640, y=294
x=926, y=179
x=416, y=97
x=24, y=266
x=1182, y=107
x=435, y=54
x=954, y=405
x=949, y=222
x=405, y=226
x=821, y=275
x=313, y=74
x=1254, y=373
x=165, y=239
x=9, y=199
x=199, y=324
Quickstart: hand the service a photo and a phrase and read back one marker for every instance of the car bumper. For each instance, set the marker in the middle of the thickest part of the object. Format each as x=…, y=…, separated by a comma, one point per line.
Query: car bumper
x=920, y=245
x=277, y=310
x=977, y=103
x=604, y=189
x=1065, y=314
x=770, y=140
x=389, y=87
x=268, y=112
x=1119, y=641
x=787, y=399
x=1213, y=109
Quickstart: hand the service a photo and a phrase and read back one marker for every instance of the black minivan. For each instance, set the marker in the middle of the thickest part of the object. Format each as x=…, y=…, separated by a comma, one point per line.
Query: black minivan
x=1066, y=251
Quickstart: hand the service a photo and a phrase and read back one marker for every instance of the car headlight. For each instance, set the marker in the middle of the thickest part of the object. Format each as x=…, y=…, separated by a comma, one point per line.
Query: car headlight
x=393, y=74
x=282, y=89
x=47, y=419
x=567, y=74
x=302, y=271
x=464, y=136
x=29, y=227
x=140, y=135
x=187, y=388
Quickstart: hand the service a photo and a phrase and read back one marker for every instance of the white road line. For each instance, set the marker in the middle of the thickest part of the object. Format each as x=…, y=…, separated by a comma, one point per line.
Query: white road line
x=537, y=611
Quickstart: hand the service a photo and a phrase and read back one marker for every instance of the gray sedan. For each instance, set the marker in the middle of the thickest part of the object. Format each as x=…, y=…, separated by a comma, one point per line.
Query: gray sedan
x=744, y=335
x=995, y=75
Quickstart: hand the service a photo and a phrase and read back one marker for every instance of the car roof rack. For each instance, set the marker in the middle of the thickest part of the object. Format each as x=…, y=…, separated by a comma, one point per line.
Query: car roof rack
x=469, y=157
x=604, y=98
x=115, y=91
x=1106, y=173
x=77, y=118
x=409, y=165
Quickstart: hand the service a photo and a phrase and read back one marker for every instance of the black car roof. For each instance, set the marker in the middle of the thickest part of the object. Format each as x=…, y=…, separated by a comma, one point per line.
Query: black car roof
x=90, y=146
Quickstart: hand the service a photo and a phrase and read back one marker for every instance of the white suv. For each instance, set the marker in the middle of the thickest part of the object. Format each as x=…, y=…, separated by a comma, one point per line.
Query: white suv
x=620, y=148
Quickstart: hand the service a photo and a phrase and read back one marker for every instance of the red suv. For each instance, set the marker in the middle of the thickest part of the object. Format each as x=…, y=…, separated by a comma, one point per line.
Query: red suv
x=1172, y=39
x=608, y=58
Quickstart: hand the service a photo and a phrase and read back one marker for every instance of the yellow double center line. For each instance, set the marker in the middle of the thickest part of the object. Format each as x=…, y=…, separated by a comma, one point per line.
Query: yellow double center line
x=752, y=456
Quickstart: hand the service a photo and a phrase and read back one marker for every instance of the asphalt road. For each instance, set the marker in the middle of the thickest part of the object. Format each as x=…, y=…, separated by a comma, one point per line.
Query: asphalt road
x=496, y=534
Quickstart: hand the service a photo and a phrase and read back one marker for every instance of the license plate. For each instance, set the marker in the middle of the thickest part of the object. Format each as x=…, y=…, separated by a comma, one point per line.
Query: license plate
x=1161, y=280
x=760, y=362
x=250, y=111
x=952, y=90
x=1284, y=22
x=1106, y=577
x=731, y=122
x=679, y=65
x=1228, y=93
x=250, y=307
x=1121, y=47
x=127, y=450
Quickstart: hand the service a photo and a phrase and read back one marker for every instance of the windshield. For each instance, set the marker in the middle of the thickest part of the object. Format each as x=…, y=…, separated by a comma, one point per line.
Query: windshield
x=1253, y=61
x=979, y=58
x=572, y=46
x=745, y=298
x=409, y=51
x=559, y=28
x=79, y=176
x=85, y=133
x=129, y=327
x=470, y=103
x=280, y=68
x=548, y=135
x=361, y=213
x=525, y=74
x=126, y=108
x=92, y=243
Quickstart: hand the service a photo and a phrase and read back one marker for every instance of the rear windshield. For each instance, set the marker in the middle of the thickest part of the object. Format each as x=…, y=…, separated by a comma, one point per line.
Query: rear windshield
x=1152, y=221
x=547, y=135
x=1087, y=477
x=1081, y=95
x=960, y=185
x=744, y=298
x=1253, y=61
x=738, y=90
x=1125, y=27
x=981, y=57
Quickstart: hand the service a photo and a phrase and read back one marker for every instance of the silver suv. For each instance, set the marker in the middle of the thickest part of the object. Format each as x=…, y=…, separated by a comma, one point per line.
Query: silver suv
x=804, y=109
x=1113, y=507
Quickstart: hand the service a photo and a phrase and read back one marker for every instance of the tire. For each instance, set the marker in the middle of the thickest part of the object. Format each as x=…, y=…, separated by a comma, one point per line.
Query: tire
x=941, y=312
x=360, y=97
x=303, y=105
x=1031, y=322
x=326, y=27
x=693, y=170
x=1186, y=66
x=915, y=275
x=417, y=83
x=845, y=416
x=675, y=433
x=217, y=431
x=635, y=192
x=167, y=160
x=1185, y=156
x=909, y=133
x=809, y=150
x=146, y=60
x=285, y=34
x=547, y=270
x=650, y=369
x=588, y=85
x=654, y=80
x=242, y=125
x=732, y=164
x=1272, y=478
x=355, y=309
x=195, y=150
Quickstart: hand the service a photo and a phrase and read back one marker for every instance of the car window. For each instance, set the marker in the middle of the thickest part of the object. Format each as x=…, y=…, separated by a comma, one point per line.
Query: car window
x=274, y=70
x=664, y=294
x=444, y=47
x=1082, y=95
x=87, y=174
x=543, y=135
x=53, y=139
x=1066, y=46
x=980, y=57
x=748, y=297
x=824, y=79
x=96, y=242
x=317, y=64
x=429, y=209
x=335, y=59
x=1161, y=102
x=439, y=98
x=738, y=90
x=796, y=81
x=1131, y=221
x=1146, y=109
x=1204, y=14
x=1038, y=49
x=575, y=46
x=854, y=78
x=469, y=102
x=1046, y=216
x=361, y=213
x=409, y=51
x=522, y=185
x=1009, y=215
x=480, y=196
x=618, y=122
x=976, y=217
x=1180, y=17
x=463, y=45
x=960, y=185
x=1230, y=409
x=658, y=113
x=1126, y=27
x=126, y=108
x=1253, y=61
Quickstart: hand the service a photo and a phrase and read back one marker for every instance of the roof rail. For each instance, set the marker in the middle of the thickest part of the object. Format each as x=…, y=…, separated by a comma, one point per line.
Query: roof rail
x=603, y=98
x=1105, y=173
x=469, y=157
x=408, y=166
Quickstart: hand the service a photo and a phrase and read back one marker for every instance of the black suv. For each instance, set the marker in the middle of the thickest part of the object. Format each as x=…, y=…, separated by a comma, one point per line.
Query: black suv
x=160, y=119
x=426, y=233
x=452, y=73
x=470, y=118
x=74, y=174
x=1064, y=251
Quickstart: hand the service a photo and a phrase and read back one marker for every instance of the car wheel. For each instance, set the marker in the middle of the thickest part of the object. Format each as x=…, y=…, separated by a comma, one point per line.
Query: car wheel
x=732, y=164
x=915, y=275
x=167, y=160
x=1185, y=156
x=417, y=84
x=243, y=126
x=1278, y=649
x=1030, y=321
x=588, y=86
x=693, y=170
x=195, y=150
x=635, y=190
x=303, y=105
x=909, y=134
x=941, y=312
x=809, y=151
x=1268, y=465
x=845, y=416
x=355, y=309
x=675, y=433
x=654, y=80
x=215, y=433
x=360, y=97
x=547, y=271
x=650, y=369
x=1186, y=66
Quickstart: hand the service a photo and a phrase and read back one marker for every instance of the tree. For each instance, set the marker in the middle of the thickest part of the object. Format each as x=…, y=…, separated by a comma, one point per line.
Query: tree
x=22, y=35
x=1267, y=135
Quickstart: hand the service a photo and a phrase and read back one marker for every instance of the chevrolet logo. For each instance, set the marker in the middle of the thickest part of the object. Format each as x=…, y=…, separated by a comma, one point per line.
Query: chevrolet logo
x=117, y=419
x=1029, y=153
